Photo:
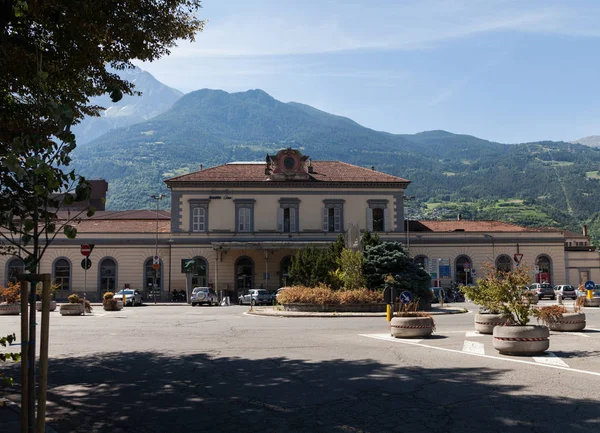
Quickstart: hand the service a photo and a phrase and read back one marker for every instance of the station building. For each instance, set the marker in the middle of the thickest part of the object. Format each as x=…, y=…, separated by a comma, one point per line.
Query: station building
x=240, y=223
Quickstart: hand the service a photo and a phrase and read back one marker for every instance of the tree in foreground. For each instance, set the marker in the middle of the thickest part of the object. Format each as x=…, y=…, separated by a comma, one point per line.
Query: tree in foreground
x=54, y=58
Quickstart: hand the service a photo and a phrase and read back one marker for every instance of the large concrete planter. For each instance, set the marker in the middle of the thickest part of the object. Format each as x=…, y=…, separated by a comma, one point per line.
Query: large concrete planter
x=594, y=302
x=71, y=309
x=569, y=322
x=521, y=340
x=10, y=309
x=339, y=308
x=411, y=327
x=485, y=323
x=38, y=305
x=112, y=306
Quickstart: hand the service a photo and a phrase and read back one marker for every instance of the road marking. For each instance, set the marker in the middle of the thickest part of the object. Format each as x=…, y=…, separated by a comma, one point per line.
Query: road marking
x=581, y=334
x=473, y=347
x=503, y=359
x=390, y=338
x=550, y=359
x=470, y=334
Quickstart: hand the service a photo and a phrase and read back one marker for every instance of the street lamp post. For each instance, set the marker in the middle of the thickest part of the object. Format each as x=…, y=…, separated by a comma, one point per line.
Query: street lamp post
x=155, y=265
x=406, y=198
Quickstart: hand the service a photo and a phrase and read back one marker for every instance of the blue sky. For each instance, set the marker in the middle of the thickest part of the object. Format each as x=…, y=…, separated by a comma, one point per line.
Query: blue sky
x=503, y=70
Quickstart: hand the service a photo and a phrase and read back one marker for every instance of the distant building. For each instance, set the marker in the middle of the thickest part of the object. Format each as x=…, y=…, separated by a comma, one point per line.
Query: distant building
x=242, y=223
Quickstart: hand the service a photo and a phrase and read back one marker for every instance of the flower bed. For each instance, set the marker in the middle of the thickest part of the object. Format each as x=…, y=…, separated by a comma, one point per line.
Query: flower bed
x=324, y=296
x=336, y=308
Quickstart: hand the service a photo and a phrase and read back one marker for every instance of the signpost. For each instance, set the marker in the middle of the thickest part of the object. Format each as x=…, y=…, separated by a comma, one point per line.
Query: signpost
x=85, y=250
x=518, y=258
x=406, y=297
x=466, y=267
x=590, y=286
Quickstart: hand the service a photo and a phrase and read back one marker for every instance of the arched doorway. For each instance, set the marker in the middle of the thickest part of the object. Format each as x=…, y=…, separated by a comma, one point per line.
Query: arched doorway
x=244, y=275
x=149, y=274
x=14, y=268
x=543, y=268
x=61, y=274
x=284, y=271
x=463, y=266
x=200, y=276
x=504, y=263
x=108, y=276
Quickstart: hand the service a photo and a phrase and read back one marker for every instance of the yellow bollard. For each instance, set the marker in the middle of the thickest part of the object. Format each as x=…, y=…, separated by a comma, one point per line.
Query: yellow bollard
x=590, y=294
x=124, y=298
x=388, y=314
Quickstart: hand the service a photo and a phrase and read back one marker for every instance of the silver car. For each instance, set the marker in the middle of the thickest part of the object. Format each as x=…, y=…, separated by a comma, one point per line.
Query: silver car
x=132, y=297
x=204, y=295
x=256, y=297
x=566, y=291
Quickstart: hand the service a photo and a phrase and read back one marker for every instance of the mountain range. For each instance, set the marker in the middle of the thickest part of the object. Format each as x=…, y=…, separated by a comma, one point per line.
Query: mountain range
x=540, y=183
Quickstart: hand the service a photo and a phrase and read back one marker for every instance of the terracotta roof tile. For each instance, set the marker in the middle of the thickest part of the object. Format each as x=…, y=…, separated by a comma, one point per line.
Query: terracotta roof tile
x=469, y=226
x=323, y=171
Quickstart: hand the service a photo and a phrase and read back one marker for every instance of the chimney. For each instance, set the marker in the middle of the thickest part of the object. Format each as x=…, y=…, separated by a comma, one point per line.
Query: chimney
x=310, y=167
x=585, y=230
x=200, y=167
x=459, y=217
x=373, y=167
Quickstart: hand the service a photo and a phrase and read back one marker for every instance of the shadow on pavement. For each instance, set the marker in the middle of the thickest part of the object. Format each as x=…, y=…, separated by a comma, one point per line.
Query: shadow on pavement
x=153, y=392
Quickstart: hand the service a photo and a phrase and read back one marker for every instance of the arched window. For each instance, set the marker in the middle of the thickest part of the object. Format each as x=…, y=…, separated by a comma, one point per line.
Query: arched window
x=504, y=263
x=108, y=275
x=149, y=274
x=421, y=261
x=200, y=276
x=244, y=274
x=543, y=268
x=284, y=271
x=15, y=267
x=61, y=274
x=463, y=270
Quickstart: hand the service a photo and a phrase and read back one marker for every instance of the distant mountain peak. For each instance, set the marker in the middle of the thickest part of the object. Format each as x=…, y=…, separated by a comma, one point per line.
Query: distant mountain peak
x=592, y=141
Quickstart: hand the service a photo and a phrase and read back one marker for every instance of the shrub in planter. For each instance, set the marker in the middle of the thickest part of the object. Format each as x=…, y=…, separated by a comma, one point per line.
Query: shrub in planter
x=490, y=311
x=558, y=318
x=410, y=323
x=11, y=294
x=110, y=303
x=323, y=295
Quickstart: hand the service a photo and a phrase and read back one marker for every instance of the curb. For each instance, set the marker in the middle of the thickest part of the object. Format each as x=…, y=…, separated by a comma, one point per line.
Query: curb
x=273, y=313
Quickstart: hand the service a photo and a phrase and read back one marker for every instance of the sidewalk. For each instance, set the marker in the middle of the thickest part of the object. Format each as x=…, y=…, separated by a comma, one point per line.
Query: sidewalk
x=276, y=312
x=10, y=417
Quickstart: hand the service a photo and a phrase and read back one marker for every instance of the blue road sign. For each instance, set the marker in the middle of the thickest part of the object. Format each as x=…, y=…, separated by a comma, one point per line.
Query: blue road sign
x=444, y=270
x=589, y=285
x=406, y=297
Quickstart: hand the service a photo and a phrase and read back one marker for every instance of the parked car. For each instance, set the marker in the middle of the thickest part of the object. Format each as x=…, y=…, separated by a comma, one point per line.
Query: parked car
x=132, y=297
x=256, y=297
x=566, y=291
x=542, y=290
x=204, y=295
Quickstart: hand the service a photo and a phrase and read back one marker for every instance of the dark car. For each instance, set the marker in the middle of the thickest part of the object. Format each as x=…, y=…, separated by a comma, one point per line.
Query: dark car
x=543, y=290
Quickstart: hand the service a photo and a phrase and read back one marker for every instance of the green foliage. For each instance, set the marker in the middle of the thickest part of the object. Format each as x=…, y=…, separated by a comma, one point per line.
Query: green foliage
x=390, y=259
x=503, y=291
x=370, y=239
x=49, y=72
x=312, y=266
x=6, y=357
x=351, y=267
x=74, y=298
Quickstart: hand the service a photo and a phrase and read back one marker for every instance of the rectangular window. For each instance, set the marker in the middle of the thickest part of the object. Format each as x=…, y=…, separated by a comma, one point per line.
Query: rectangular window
x=199, y=219
x=378, y=220
x=287, y=217
x=333, y=215
x=244, y=219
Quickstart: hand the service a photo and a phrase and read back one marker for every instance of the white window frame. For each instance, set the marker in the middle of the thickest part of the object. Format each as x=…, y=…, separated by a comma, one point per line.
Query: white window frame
x=378, y=204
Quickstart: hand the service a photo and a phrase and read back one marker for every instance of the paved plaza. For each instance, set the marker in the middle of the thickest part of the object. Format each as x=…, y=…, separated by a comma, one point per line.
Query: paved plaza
x=220, y=369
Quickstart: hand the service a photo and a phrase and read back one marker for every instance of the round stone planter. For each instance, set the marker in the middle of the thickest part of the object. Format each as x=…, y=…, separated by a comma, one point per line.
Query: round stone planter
x=411, y=327
x=10, y=309
x=594, y=302
x=117, y=306
x=569, y=322
x=485, y=323
x=38, y=305
x=71, y=309
x=521, y=340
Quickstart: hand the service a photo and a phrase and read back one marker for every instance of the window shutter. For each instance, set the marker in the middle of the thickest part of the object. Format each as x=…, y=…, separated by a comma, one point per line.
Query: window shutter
x=293, y=220
x=201, y=219
x=386, y=220
x=280, y=220
x=337, y=219
x=325, y=219
x=369, y=219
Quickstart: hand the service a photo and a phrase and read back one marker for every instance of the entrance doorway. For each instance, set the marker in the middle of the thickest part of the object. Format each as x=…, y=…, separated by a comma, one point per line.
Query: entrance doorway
x=244, y=275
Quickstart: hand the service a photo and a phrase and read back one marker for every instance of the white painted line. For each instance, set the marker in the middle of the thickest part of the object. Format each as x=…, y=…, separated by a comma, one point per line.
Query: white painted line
x=581, y=334
x=550, y=359
x=470, y=334
x=390, y=338
x=592, y=329
x=503, y=359
x=473, y=347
